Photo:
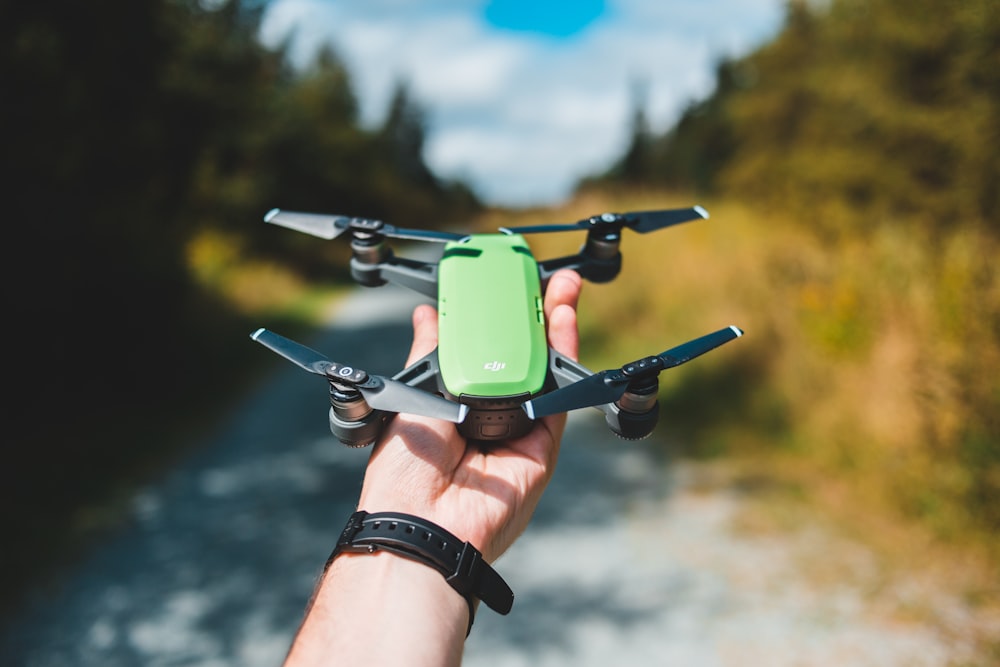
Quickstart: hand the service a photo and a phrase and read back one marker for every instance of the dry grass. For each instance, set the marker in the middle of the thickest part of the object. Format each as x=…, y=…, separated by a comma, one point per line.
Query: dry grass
x=865, y=392
x=254, y=287
x=870, y=372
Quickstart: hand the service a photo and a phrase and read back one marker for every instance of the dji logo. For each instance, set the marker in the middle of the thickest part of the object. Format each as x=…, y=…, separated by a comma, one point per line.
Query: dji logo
x=494, y=366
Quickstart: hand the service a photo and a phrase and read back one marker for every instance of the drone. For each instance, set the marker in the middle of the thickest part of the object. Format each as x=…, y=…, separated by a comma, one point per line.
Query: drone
x=492, y=373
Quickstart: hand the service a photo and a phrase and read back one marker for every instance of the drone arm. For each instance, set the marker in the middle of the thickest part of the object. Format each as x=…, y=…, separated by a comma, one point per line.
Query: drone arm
x=549, y=266
x=410, y=273
x=425, y=373
x=564, y=370
x=594, y=269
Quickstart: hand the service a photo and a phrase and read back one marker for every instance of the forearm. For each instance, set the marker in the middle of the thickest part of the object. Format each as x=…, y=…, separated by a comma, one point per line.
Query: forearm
x=382, y=609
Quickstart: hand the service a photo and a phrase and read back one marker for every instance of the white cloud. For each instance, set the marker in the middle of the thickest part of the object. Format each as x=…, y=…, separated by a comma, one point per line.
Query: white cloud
x=522, y=116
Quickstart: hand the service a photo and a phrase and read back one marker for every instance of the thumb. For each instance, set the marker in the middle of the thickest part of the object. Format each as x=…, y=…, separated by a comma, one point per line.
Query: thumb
x=425, y=333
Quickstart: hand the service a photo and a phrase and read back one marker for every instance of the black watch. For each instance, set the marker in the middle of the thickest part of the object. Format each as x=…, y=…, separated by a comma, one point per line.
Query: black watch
x=460, y=563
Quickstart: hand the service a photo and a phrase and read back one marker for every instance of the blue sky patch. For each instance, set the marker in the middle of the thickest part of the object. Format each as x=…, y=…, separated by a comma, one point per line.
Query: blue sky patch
x=557, y=18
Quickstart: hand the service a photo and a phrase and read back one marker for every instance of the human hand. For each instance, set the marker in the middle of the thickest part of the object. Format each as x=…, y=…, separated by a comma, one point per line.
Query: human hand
x=423, y=466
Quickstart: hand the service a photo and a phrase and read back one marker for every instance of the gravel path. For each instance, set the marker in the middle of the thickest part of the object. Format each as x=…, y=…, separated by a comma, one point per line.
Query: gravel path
x=629, y=559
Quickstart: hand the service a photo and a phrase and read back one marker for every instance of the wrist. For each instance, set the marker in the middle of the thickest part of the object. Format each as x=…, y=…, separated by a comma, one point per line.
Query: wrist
x=399, y=499
x=459, y=563
x=365, y=598
x=390, y=581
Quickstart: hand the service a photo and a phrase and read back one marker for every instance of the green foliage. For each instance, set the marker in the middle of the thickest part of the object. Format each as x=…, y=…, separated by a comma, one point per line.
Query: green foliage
x=882, y=105
x=888, y=107
x=873, y=124
x=132, y=131
x=867, y=109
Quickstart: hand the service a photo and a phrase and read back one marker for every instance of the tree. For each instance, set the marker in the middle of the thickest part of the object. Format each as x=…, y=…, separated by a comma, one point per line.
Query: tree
x=404, y=133
x=634, y=167
x=635, y=164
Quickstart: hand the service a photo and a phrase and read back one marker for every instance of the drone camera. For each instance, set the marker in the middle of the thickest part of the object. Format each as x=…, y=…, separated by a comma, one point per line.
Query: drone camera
x=495, y=424
x=494, y=418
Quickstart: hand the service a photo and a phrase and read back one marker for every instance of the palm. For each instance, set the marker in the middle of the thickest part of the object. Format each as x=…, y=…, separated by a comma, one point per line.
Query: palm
x=484, y=496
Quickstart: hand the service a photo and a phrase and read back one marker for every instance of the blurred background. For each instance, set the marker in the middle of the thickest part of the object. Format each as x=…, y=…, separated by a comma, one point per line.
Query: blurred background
x=846, y=149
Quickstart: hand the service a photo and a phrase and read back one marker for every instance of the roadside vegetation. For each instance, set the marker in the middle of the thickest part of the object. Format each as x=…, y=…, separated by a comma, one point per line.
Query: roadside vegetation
x=849, y=401
x=141, y=156
x=849, y=168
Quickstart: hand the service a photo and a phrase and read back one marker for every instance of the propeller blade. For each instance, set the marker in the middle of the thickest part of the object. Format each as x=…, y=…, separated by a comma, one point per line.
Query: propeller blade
x=331, y=226
x=606, y=220
x=317, y=224
x=597, y=389
x=537, y=229
x=649, y=221
x=685, y=352
x=395, y=396
x=421, y=234
x=610, y=385
x=300, y=355
x=379, y=392
x=640, y=221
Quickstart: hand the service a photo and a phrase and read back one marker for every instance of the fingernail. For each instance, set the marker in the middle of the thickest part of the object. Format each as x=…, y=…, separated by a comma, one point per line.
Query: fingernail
x=419, y=315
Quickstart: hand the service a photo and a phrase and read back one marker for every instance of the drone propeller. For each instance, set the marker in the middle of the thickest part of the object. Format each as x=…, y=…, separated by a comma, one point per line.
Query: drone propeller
x=331, y=226
x=379, y=392
x=640, y=221
x=610, y=385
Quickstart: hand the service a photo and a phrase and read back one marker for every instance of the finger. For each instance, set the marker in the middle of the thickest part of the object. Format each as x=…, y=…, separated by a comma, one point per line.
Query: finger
x=563, y=335
x=561, y=298
x=563, y=289
x=425, y=333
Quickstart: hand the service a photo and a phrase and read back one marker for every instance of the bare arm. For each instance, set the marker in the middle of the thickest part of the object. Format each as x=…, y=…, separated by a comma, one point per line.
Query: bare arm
x=383, y=609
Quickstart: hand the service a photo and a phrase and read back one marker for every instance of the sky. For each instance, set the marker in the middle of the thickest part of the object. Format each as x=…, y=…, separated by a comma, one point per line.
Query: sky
x=523, y=98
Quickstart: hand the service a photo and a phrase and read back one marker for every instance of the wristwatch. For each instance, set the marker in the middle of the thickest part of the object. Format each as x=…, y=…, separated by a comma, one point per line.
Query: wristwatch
x=460, y=563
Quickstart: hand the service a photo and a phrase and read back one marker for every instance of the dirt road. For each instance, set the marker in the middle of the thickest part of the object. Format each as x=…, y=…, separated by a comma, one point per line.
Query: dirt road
x=629, y=560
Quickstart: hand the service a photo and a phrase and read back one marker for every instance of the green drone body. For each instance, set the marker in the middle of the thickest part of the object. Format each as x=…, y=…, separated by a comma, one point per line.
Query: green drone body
x=491, y=337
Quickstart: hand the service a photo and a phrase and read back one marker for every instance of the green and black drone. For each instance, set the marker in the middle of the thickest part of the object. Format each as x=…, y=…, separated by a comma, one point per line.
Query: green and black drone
x=493, y=373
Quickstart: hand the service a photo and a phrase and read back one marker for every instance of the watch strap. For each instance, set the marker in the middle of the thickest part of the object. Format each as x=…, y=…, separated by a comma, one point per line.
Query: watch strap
x=461, y=564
